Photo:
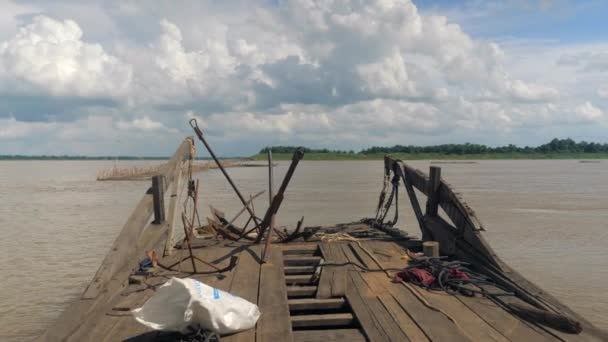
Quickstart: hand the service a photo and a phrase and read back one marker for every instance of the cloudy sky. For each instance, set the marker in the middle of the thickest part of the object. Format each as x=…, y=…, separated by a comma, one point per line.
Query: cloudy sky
x=124, y=77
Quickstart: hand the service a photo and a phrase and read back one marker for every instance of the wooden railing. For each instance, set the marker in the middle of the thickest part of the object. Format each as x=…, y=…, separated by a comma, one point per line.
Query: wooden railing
x=138, y=235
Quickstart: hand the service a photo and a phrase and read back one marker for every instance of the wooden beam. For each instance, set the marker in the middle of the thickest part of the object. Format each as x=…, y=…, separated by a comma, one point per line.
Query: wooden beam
x=306, y=304
x=301, y=291
x=292, y=260
x=158, y=198
x=432, y=203
x=328, y=320
x=299, y=279
x=290, y=270
x=329, y=335
x=274, y=324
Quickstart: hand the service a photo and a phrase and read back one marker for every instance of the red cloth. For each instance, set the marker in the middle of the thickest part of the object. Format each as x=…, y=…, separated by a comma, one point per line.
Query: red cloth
x=415, y=274
x=458, y=274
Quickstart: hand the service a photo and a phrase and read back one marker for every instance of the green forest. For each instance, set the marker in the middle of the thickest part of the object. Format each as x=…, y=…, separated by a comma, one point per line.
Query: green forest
x=554, y=146
x=555, y=149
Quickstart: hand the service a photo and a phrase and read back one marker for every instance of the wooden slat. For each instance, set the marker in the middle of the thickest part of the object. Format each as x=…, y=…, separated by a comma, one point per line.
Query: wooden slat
x=307, y=321
x=290, y=270
x=274, y=324
x=474, y=327
x=246, y=285
x=298, y=249
x=299, y=279
x=301, y=291
x=297, y=260
x=508, y=325
x=316, y=304
x=373, y=316
x=332, y=282
x=405, y=322
x=434, y=324
x=332, y=335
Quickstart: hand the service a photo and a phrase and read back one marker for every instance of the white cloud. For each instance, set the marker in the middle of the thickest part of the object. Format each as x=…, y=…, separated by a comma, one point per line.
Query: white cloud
x=142, y=124
x=305, y=70
x=588, y=112
x=49, y=56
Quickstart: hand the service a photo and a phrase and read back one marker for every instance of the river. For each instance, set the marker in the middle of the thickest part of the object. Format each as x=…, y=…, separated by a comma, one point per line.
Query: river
x=547, y=219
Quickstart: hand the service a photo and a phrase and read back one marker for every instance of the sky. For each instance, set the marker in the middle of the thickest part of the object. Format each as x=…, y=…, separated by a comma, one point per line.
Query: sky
x=124, y=77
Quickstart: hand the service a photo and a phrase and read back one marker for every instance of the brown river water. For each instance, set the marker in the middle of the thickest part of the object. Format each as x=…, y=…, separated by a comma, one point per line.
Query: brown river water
x=547, y=219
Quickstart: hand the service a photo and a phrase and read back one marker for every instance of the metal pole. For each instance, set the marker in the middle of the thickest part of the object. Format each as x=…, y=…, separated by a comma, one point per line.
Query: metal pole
x=270, y=198
x=278, y=198
x=199, y=133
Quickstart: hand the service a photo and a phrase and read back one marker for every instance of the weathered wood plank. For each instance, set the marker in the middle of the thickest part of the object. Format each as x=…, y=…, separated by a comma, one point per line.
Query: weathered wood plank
x=333, y=335
x=246, y=285
x=405, y=322
x=301, y=291
x=298, y=260
x=375, y=320
x=299, y=279
x=474, y=327
x=508, y=325
x=274, y=324
x=307, y=321
x=435, y=325
x=292, y=270
x=332, y=282
x=316, y=304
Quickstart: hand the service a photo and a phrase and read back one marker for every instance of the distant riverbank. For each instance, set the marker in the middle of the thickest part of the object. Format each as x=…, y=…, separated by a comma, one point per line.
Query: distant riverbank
x=436, y=156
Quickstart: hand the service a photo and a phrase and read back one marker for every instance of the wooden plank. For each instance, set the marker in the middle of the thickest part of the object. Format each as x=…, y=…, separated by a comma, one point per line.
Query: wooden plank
x=405, y=322
x=508, y=325
x=333, y=335
x=316, y=304
x=292, y=270
x=432, y=202
x=301, y=291
x=246, y=285
x=327, y=320
x=332, y=282
x=298, y=260
x=299, y=248
x=299, y=279
x=274, y=324
x=377, y=321
x=474, y=327
x=435, y=325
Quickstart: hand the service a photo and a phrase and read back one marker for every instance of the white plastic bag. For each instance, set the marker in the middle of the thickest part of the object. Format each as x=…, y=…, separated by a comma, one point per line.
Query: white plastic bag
x=180, y=303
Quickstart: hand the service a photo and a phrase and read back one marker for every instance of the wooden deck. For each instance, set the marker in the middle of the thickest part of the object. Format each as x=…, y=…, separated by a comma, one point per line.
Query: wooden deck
x=326, y=283
x=344, y=303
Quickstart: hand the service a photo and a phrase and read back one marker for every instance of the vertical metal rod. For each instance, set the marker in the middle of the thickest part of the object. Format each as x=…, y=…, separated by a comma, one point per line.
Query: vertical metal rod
x=270, y=198
x=199, y=133
x=188, y=243
x=278, y=198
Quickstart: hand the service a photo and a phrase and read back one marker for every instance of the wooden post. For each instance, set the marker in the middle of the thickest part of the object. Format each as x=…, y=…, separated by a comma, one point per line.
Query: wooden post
x=430, y=249
x=158, y=193
x=432, y=203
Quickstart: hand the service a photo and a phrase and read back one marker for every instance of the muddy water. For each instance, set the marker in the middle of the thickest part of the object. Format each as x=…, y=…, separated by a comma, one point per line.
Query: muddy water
x=548, y=219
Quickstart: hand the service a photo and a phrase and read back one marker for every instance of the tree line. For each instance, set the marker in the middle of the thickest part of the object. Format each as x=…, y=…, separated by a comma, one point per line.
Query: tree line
x=554, y=146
